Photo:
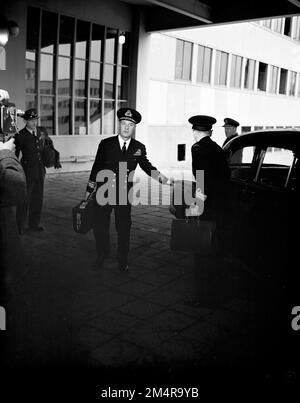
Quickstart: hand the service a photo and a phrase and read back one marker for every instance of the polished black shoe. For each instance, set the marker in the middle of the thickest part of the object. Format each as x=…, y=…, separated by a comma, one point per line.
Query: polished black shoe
x=36, y=228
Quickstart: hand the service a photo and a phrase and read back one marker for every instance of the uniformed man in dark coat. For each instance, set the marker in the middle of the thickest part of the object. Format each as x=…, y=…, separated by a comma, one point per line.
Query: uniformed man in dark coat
x=112, y=151
x=230, y=127
x=30, y=143
x=209, y=157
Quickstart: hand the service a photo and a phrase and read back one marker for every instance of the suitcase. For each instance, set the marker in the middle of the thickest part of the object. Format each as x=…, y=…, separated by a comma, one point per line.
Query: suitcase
x=182, y=193
x=193, y=235
x=83, y=215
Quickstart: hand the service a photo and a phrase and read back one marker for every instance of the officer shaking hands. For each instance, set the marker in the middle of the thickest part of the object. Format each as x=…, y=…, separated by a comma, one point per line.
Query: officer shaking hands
x=115, y=153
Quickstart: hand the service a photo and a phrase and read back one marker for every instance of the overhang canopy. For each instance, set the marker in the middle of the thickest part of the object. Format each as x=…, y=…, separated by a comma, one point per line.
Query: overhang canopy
x=178, y=14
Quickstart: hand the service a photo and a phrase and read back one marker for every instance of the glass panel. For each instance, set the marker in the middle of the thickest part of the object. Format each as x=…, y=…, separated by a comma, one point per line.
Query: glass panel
x=287, y=26
x=30, y=72
x=47, y=115
x=207, y=65
x=79, y=82
x=109, y=117
x=33, y=23
x=179, y=59
x=111, y=36
x=187, y=60
x=64, y=116
x=122, y=90
x=46, y=73
x=124, y=50
x=236, y=71
x=95, y=80
x=108, y=81
x=96, y=44
x=292, y=89
x=273, y=79
x=95, y=117
x=30, y=102
x=66, y=35
x=49, y=30
x=241, y=156
x=223, y=68
x=262, y=77
x=64, y=74
x=200, y=63
x=249, y=74
x=82, y=37
x=80, y=116
x=283, y=81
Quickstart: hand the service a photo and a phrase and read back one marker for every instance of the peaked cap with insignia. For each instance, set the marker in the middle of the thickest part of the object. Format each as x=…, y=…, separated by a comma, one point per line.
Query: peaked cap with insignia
x=129, y=114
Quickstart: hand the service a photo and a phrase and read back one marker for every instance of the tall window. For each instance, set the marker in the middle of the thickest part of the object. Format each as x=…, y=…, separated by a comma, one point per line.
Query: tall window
x=183, y=66
x=296, y=30
x=262, y=76
x=273, y=79
x=236, y=71
x=75, y=89
x=64, y=84
x=249, y=74
x=283, y=81
x=204, y=64
x=292, y=85
x=47, y=59
x=221, y=68
x=267, y=23
x=277, y=24
x=287, y=26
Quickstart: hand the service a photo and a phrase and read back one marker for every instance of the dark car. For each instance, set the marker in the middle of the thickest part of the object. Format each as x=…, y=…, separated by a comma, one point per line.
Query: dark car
x=263, y=203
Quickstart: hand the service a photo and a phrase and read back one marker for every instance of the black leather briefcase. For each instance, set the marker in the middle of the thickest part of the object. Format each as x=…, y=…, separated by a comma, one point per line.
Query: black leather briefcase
x=83, y=215
x=193, y=235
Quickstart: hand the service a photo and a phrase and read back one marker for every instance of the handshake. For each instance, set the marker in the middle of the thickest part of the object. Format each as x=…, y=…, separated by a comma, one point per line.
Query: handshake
x=164, y=179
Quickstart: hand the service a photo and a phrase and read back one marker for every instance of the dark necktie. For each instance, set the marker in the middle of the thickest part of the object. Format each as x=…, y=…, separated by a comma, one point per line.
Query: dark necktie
x=124, y=148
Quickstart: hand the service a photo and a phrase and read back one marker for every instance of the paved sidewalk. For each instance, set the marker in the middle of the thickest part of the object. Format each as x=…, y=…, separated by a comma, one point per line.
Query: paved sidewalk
x=65, y=313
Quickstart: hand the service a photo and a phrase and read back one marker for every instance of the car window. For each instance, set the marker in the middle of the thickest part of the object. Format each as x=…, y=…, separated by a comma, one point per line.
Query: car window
x=242, y=156
x=275, y=168
x=278, y=156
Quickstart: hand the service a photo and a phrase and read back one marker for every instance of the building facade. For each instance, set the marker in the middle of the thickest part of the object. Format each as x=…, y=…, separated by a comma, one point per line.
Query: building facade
x=78, y=62
x=249, y=72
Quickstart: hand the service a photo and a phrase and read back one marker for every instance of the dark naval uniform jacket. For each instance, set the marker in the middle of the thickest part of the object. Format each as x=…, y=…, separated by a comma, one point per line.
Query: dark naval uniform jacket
x=108, y=157
x=228, y=139
x=209, y=157
x=31, y=147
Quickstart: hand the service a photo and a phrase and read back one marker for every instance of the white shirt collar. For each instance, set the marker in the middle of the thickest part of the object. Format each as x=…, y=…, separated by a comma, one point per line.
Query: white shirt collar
x=30, y=131
x=121, y=142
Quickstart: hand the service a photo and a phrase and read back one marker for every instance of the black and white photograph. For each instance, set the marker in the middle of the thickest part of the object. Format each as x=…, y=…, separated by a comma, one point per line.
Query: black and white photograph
x=149, y=198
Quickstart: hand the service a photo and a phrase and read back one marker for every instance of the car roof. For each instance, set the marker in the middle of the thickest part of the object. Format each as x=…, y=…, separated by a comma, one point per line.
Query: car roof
x=281, y=138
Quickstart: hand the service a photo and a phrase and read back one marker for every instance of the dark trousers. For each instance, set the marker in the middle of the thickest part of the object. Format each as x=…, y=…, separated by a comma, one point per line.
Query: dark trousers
x=32, y=206
x=123, y=225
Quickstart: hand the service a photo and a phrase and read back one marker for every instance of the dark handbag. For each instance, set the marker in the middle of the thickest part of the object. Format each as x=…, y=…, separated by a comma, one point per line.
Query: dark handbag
x=83, y=215
x=49, y=156
x=193, y=235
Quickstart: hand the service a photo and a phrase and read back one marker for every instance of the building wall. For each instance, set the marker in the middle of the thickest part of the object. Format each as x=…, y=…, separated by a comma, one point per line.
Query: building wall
x=112, y=13
x=171, y=102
